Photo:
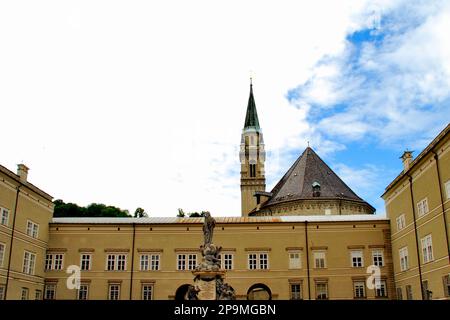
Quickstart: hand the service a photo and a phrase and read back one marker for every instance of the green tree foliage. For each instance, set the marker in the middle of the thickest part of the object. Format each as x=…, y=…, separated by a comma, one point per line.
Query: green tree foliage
x=182, y=214
x=63, y=209
x=140, y=213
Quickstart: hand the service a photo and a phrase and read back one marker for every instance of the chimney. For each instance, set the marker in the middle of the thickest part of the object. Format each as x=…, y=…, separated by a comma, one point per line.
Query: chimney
x=22, y=171
x=407, y=159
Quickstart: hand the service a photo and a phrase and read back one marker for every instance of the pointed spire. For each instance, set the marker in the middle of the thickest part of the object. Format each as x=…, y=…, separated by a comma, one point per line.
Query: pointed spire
x=251, y=118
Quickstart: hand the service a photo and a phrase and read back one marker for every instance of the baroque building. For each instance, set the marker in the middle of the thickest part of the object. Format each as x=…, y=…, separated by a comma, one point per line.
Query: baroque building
x=310, y=237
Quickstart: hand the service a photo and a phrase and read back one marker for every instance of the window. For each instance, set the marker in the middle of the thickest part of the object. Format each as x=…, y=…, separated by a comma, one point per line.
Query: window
x=258, y=261
x=409, y=295
x=227, y=261
x=2, y=292
x=321, y=290
x=294, y=260
x=192, y=261
x=186, y=261
x=447, y=189
x=422, y=207
x=427, y=249
x=404, y=262
x=114, y=292
x=24, y=295
x=2, y=254
x=401, y=222
x=252, y=261
x=446, y=282
x=399, y=294
x=85, y=261
x=426, y=292
x=377, y=258
x=54, y=261
x=4, y=219
x=50, y=291
x=253, y=170
x=149, y=262
x=319, y=259
x=38, y=295
x=356, y=258
x=32, y=229
x=154, y=258
x=181, y=262
x=263, y=261
x=116, y=262
x=296, y=291
x=83, y=292
x=359, y=289
x=147, y=292
x=381, y=291
x=29, y=260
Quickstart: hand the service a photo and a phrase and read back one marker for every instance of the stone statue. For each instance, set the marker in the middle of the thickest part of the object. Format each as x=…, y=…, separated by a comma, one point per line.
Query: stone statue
x=224, y=291
x=192, y=293
x=208, y=228
x=211, y=260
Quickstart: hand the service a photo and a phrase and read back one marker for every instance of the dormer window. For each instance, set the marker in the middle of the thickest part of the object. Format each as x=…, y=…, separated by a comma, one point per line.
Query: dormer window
x=316, y=189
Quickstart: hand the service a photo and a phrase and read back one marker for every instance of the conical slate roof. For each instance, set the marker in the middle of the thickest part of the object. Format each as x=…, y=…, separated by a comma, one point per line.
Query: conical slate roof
x=251, y=118
x=308, y=170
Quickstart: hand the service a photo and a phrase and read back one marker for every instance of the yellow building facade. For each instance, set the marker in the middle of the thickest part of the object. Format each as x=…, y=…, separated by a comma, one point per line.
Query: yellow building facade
x=418, y=207
x=25, y=216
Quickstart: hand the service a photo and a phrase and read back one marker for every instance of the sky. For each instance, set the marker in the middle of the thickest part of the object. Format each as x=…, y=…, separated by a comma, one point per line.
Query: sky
x=142, y=103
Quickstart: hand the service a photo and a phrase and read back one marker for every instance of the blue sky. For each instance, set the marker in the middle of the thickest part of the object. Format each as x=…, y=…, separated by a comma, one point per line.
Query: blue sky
x=143, y=103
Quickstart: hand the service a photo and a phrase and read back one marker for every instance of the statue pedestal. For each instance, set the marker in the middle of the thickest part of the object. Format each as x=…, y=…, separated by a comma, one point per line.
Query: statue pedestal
x=205, y=282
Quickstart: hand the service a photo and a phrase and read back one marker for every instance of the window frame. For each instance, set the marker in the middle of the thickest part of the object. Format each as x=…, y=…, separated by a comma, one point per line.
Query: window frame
x=2, y=253
x=89, y=260
x=293, y=293
x=401, y=222
x=381, y=289
x=292, y=264
x=357, y=284
x=409, y=292
x=375, y=253
x=403, y=255
x=4, y=217
x=447, y=189
x=47, y=286
x=357, y=254
x=143, y=291
x=28, y=266
x=86, y=292
x=25, y=291
x=325, y=284
x=422, y=207
x=116, y=263
x=316, y=258
x=427, y=250
x=110, y=287
x=32, y=229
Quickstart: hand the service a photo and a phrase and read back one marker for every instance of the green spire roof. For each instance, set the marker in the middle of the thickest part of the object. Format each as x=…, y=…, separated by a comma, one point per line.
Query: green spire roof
x=251, y=118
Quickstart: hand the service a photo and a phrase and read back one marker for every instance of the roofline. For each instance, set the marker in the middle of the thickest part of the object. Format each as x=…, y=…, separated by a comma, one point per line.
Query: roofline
x=27, y=184
x=263, y=206
x=421, y=155
x=219, y=220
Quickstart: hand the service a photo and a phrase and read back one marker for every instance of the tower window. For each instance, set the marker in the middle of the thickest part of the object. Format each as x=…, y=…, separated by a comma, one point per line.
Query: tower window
x=316, y=189
x=253, y=170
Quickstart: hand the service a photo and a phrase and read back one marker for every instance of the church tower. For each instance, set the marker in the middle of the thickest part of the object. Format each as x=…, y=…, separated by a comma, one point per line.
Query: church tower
x=252, y=157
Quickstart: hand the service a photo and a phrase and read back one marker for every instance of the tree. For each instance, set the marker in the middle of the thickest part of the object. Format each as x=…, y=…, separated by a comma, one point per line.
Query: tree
x=140, y=213
x=93, y=210
x=181, y=213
